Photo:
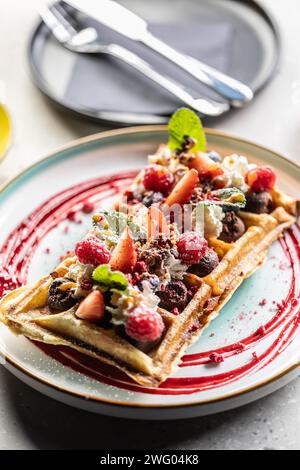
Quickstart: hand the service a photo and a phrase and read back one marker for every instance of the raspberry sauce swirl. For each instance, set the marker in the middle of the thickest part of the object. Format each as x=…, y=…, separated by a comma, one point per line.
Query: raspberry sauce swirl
x=19, y=248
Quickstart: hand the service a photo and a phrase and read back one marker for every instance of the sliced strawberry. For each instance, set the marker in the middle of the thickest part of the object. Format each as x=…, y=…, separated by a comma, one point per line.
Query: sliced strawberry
x=92, y=308
x=157, y=223
x=124, y=256
x=182, y=192
x=205, y=166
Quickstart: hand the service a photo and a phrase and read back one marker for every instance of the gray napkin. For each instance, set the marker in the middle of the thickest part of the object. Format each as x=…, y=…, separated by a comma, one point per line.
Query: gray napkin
x=107, y=84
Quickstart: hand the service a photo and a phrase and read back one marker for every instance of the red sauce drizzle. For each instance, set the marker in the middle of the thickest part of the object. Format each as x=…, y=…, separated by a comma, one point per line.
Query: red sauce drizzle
x=16, y=255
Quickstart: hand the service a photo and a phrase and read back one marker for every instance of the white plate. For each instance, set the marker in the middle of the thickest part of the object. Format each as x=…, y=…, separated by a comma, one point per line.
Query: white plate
x=197, y=388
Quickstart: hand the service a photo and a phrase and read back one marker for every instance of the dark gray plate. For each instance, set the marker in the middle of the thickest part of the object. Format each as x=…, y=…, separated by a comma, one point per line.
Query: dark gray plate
x=237, y=37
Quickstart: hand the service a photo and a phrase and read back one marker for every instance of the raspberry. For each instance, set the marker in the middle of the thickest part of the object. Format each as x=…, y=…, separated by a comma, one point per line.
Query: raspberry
x=216, y=358
x=88, y=207
x=261, y=179
x=144, y=325
x=136, y=278
x=86, y=284
x=140, y=267
x=192, y=291
x=191, y=248
x=129, y=194
x=90, y=251
x=71, y=215
x=195, y=327
x=158, y=178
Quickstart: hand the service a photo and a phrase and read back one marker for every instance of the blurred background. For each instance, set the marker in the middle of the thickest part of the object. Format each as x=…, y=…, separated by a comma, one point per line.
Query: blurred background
x=39, y=126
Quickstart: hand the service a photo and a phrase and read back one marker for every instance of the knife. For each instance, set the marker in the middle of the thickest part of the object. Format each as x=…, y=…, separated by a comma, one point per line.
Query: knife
x=127, y=23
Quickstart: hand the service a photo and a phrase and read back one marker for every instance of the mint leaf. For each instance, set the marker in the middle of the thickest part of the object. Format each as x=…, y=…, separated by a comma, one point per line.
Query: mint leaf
x=185, y=123
x=231, y=196
x=108, y=279
x=228, y=198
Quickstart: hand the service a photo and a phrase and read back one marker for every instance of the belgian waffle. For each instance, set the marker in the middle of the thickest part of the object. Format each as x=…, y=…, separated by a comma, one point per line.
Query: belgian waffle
x=26, y=312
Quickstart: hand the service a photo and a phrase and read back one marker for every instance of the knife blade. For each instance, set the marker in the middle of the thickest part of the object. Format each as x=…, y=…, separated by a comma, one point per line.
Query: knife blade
x=114, y=16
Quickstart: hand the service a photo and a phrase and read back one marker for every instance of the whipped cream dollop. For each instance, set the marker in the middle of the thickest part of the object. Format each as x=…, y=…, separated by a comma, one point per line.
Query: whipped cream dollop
x=162, y=156
x=175, y=268
x=79, y=271
x=213, y=216
x=235, y=169
x=124, y=301
x=207, y=220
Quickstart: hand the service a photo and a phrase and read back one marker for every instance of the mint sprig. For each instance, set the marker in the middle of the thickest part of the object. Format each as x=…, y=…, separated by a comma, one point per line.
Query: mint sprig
x=107, y=279
x=228, y=198
x=185, y=123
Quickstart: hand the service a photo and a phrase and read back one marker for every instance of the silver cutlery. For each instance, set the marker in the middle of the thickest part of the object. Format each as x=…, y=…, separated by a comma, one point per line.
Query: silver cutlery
x=127, y=23
x=86, y=40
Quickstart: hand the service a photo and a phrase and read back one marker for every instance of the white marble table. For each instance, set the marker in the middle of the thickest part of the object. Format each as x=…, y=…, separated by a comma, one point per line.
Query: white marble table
x=30, y=421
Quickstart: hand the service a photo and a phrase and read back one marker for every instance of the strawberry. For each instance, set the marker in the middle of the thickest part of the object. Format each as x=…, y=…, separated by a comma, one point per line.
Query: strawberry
x=124, y=256
x=182, y=192
x=92, y=308
x=206, y=167
x=157, y=223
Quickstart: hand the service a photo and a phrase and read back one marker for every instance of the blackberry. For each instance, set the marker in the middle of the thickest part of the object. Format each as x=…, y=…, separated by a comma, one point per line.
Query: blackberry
x=259, y=203
x=206, y=265
x=60, y=299
x=152, y=197
x=175, y=295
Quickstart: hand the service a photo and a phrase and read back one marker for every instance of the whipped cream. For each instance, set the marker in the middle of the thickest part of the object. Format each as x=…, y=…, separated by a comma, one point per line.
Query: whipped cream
x=235, y=169
x=124, y=301
x=213, y=216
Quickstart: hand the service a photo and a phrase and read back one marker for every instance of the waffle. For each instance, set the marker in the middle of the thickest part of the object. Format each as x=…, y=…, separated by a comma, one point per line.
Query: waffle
x=26, y=312
x=145, y=359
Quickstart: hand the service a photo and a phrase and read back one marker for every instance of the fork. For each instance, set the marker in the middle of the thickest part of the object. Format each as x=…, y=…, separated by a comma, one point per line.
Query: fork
x=86, y=41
